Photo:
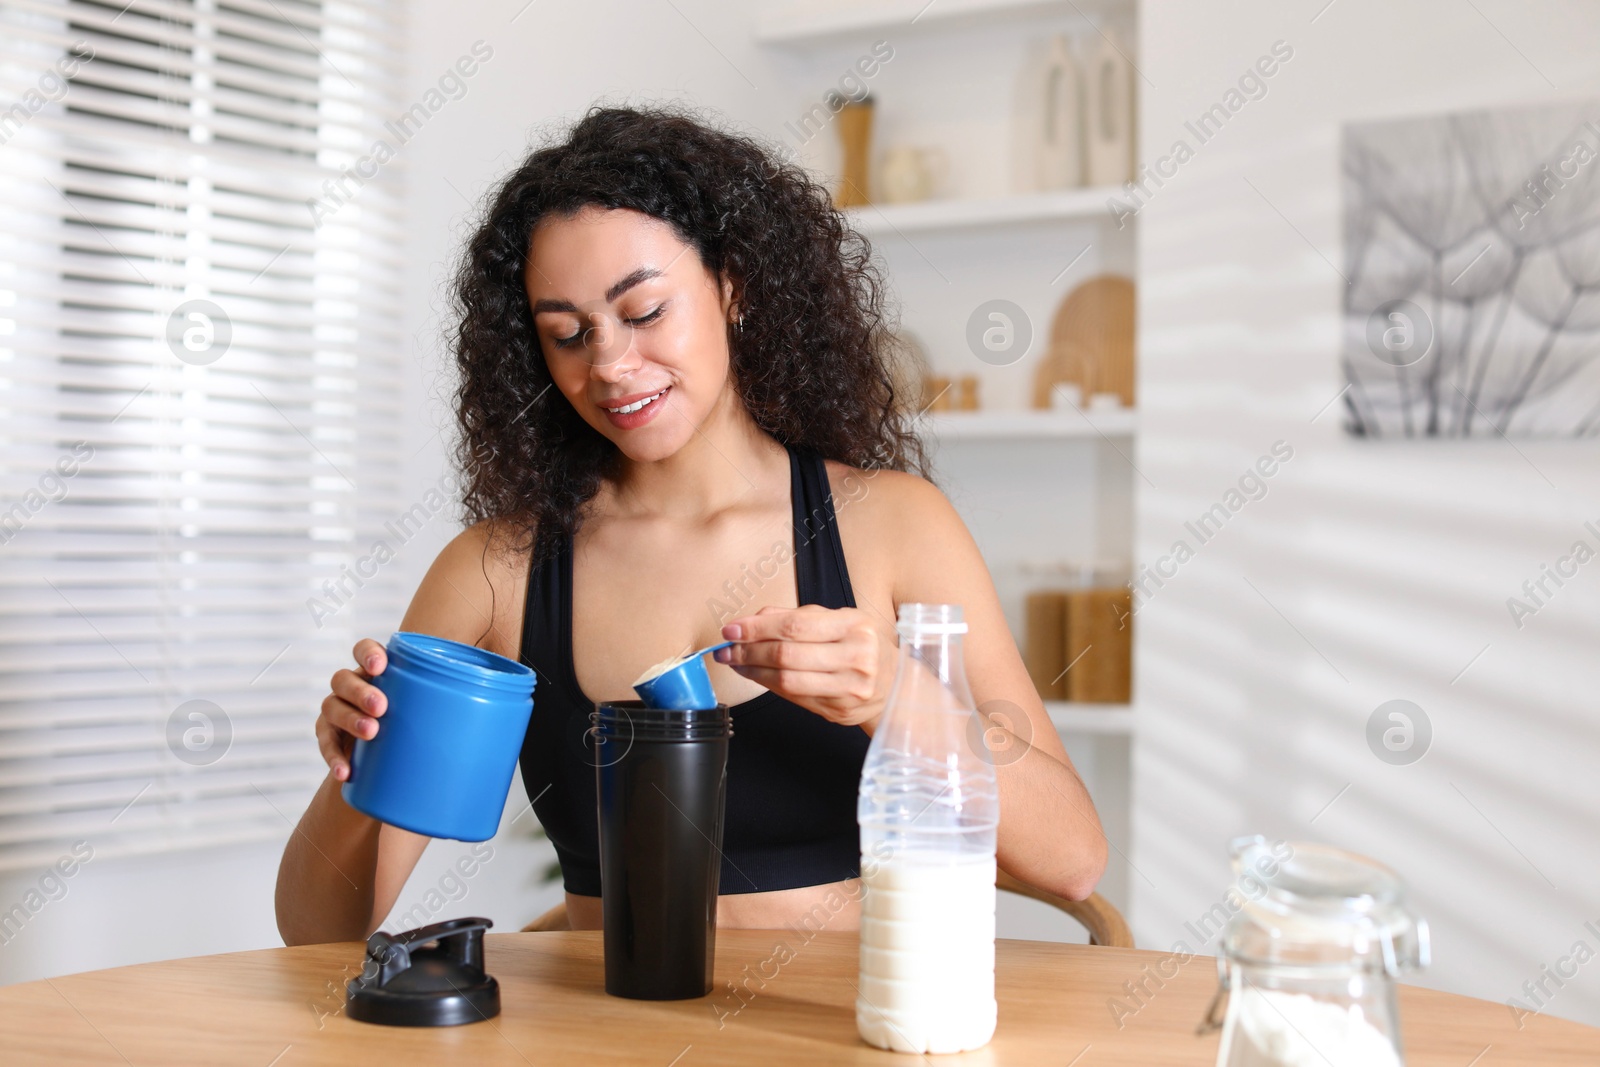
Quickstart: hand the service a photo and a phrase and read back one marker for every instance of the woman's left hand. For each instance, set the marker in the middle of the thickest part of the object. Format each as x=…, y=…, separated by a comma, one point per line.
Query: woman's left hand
x=832, y=661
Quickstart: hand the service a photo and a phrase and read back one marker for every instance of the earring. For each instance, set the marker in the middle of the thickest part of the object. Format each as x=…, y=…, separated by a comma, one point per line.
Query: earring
x=738, y=324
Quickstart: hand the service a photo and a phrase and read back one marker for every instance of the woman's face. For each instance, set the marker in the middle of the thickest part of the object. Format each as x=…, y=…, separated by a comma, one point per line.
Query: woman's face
x=632, y=326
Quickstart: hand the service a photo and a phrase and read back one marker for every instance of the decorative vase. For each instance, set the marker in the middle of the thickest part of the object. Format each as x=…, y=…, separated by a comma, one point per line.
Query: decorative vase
x=854, y=123
x=1108, y=131
x=907, y=174
x=1059, y=153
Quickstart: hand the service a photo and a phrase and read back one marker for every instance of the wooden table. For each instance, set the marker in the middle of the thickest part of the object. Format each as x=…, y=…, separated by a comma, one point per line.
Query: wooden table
x=282, y=1007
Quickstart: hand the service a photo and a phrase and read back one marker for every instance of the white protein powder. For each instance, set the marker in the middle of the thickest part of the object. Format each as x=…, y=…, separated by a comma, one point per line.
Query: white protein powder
x=661, y=668
x=1268, y=1028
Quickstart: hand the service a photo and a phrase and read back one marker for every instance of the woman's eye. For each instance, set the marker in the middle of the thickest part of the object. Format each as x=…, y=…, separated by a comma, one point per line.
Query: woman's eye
x=577, y=338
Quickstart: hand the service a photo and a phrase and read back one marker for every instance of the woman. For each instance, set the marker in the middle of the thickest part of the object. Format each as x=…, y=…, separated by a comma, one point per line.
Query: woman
x=678, y=426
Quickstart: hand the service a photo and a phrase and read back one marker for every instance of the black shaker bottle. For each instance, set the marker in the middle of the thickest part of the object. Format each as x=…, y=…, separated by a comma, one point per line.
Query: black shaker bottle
x=660, y=776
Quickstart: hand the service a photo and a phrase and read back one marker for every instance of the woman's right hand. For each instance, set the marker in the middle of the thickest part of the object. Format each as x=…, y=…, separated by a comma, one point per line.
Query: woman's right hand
x=352, y=709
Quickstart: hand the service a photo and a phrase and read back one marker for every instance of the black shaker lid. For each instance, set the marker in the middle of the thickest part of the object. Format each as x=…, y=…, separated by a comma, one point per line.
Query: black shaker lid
x=430, y=976
x=635, y=719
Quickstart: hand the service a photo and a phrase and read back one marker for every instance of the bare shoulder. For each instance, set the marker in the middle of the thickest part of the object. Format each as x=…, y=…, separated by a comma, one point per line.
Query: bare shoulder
x=475, y=589
x=911, y=540
x=901, y=525
x=492, y=549
x=884, y=501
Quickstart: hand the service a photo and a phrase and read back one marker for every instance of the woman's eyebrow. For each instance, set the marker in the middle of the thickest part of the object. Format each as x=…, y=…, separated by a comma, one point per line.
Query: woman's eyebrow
x=623, y=285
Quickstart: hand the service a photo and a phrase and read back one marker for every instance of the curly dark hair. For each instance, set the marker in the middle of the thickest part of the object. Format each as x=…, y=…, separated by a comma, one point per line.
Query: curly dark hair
x=813, y=362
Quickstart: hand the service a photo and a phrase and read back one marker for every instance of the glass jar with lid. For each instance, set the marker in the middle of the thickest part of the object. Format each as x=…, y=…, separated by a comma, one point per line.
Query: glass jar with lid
x=1309, y=960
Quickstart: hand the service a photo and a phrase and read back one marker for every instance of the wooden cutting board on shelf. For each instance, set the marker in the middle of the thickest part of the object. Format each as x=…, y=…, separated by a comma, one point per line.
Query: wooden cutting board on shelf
x=1091, y=342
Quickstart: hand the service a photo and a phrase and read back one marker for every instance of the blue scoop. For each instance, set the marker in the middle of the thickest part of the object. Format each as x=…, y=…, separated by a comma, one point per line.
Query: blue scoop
x=684, y=687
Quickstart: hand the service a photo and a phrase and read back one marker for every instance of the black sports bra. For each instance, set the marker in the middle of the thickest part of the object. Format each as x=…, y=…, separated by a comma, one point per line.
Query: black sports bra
x=793, y=776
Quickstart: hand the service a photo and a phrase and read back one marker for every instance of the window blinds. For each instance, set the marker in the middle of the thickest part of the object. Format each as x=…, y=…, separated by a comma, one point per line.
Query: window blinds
x=200, y=418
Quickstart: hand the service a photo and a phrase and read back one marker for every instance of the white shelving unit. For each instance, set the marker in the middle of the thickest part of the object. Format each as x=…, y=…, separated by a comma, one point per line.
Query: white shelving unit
x=1021, y=209
x=1030, y=425
x=1076, y=718
x=809, y=22
x=1032, y=485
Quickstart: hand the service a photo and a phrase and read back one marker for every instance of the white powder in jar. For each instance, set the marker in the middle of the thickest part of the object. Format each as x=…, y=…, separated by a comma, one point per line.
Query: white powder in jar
x=1268, y=1028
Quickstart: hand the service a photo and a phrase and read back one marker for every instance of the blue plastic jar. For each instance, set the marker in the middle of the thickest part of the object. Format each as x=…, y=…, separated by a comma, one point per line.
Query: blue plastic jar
x=447, y=745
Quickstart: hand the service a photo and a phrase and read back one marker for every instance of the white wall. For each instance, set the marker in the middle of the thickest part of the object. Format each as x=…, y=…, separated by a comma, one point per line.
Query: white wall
x=1392, y=560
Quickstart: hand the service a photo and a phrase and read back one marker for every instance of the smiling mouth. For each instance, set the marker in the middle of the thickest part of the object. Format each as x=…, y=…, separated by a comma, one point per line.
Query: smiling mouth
x=637, y=405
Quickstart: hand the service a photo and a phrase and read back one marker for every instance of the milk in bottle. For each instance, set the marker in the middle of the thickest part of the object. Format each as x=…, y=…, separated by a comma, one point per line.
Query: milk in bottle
x=929, y=809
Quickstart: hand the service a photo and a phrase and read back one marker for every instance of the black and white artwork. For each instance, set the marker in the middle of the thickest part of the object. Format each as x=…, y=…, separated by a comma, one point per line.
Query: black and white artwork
x=1472, y=257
